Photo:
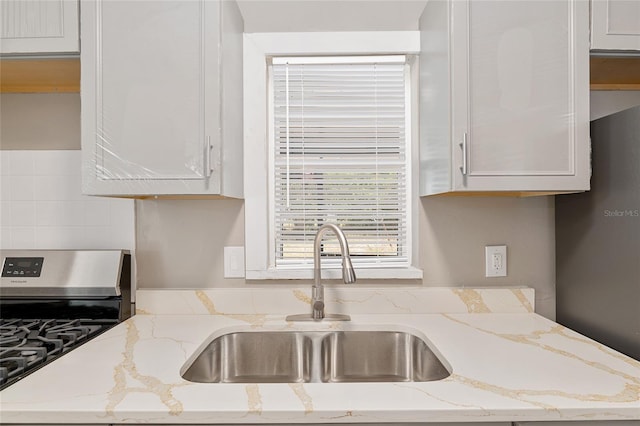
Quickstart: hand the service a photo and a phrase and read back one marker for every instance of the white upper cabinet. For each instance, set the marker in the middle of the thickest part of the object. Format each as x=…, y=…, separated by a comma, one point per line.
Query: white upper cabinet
x=39, y=26
x=161, y=92
x=615, y=24
x=504, y=91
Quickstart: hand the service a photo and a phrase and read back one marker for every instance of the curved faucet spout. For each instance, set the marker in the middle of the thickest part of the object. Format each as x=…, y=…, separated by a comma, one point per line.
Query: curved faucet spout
x=348, y=274
x=317, y=294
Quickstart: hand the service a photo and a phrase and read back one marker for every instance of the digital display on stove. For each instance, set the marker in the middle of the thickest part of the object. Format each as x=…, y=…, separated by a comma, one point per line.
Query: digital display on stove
x=22, y=267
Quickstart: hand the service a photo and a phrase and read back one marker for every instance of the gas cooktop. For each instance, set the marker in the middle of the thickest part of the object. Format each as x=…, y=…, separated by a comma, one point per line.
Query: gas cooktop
x=52, y=301
x=27, y=344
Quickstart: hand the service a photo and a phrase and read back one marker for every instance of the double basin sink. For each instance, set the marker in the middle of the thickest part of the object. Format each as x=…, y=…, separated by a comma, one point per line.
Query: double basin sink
x=315, y=357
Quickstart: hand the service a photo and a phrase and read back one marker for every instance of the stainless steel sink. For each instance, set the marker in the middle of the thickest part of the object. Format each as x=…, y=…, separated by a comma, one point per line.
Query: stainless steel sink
x=253, y=357
x=379, y=356
x=315, y=356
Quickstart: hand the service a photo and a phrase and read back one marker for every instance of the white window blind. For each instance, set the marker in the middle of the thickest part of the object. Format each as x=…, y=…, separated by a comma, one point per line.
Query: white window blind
x=340, y=156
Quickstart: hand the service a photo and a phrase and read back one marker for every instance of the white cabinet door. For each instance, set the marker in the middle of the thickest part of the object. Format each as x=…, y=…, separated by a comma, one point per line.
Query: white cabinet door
x=505, y=97
x=152, y=98
x=39, y=26
x=615, y=24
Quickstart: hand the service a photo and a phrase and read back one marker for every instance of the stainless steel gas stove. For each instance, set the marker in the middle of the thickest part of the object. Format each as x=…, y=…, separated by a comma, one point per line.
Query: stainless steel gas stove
x=52, y=301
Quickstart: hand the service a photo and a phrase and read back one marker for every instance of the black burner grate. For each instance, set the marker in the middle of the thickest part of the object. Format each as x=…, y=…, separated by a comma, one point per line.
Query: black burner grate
x=28, y=344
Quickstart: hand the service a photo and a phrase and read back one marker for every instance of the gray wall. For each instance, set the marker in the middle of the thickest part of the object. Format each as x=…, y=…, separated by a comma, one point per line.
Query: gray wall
x=180, y=242
x=262, y=16
x=40, y=121
x=606, y=102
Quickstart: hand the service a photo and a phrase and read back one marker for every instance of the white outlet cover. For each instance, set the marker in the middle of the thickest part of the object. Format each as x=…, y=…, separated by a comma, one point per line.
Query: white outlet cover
x=495, y=261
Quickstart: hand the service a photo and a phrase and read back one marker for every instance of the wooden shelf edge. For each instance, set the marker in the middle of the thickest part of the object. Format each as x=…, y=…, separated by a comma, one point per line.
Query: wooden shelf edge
x=614, y=73
x=612, y=86
x=28, y=75
x=170, y=197
x=501, y=193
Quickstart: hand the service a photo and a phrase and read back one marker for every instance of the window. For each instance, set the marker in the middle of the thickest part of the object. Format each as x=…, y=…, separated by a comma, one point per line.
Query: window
x=339, y=145
x=302, y=169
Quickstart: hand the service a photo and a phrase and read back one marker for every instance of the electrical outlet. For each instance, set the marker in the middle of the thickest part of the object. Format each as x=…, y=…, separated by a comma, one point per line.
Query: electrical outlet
x=495, y=261
x=234, y=262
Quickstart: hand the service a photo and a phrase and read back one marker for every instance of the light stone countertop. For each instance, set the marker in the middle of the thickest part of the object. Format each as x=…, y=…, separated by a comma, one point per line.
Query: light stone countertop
x=508, y=364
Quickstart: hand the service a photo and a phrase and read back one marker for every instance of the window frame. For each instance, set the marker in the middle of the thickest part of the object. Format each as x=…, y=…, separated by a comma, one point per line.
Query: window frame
x=258, y=141
x=403, y=259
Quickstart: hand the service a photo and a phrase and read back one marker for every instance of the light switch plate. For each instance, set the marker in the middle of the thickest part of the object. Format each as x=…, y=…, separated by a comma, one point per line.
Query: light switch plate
x=234, y=262
x=495, y=261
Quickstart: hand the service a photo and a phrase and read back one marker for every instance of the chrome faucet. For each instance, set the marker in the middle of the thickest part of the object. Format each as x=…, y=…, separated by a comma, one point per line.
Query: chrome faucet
x=317, y=294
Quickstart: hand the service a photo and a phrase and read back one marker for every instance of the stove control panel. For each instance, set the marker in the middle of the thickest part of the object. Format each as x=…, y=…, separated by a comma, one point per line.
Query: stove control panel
x=22, y=267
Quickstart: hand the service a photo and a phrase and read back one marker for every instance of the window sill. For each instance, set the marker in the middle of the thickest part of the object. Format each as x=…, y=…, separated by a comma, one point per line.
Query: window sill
x=410, y=273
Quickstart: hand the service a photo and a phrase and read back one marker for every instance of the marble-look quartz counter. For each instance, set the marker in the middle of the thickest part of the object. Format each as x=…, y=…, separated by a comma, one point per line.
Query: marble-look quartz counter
x=507, y=363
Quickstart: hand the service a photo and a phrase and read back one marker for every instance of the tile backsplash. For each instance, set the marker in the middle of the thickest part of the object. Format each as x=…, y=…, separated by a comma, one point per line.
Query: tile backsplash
x=42, y=206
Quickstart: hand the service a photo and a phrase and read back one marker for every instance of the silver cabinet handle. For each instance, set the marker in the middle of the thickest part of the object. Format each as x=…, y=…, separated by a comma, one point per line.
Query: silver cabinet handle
x=207, y=158
x=463, y=145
